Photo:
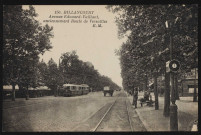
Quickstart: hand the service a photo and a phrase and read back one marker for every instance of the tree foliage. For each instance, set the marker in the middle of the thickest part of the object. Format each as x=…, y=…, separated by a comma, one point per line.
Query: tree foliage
x=147, y=47
x=76, y=71
x=24, y=39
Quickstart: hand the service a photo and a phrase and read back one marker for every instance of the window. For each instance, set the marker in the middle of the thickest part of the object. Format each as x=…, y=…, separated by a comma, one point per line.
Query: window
x=67, y=88
x=191, y=89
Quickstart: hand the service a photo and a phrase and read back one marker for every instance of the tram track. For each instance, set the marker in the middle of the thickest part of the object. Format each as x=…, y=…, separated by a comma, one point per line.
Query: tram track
x=114, y=115
x=109, y=110
x=94, y=129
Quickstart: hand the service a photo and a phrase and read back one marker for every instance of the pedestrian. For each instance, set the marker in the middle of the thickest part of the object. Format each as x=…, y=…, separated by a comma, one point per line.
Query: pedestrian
x=146, y=95
x=135, y=97
x=130, y=92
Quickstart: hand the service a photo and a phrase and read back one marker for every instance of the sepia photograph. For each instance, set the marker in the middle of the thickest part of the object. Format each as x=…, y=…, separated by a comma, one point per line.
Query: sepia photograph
x=100, y=68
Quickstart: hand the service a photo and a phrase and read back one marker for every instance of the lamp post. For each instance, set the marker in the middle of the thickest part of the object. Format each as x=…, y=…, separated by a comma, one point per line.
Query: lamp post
x=173, y=106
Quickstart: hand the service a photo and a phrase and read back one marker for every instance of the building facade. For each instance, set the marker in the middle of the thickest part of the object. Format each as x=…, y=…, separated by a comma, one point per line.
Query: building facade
x=189, y=83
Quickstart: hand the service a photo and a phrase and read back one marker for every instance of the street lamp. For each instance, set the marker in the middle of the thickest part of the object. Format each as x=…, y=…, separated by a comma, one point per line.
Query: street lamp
x=173, y=106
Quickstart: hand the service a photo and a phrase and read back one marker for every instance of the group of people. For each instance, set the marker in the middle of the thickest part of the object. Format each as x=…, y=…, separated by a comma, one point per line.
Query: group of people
x=147, y=96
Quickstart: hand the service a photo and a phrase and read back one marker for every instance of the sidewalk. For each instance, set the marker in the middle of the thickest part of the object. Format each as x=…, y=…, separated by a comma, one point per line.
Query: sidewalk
x=154, y=120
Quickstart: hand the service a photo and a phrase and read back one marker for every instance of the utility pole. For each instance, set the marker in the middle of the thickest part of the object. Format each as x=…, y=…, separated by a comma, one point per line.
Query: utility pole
x=173, y=106
x=176, y=87
x=166, y=111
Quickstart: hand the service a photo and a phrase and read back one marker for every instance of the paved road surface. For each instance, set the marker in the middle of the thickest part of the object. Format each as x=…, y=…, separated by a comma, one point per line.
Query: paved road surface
x=61, y=114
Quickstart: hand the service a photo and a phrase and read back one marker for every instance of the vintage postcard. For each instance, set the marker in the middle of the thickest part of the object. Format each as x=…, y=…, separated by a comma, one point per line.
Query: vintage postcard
x=100, y=68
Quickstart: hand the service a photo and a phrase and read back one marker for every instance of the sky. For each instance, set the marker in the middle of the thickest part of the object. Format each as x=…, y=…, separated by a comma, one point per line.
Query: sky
x=94, y=44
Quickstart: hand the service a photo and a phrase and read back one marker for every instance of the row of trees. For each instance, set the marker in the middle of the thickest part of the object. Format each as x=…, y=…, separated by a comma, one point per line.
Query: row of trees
x=74, y=71
x=150, y=29
x=24, y=39
x=78, y=72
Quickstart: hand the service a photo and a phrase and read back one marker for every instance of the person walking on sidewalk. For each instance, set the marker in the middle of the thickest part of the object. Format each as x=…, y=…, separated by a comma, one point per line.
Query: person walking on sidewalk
x=135, y=97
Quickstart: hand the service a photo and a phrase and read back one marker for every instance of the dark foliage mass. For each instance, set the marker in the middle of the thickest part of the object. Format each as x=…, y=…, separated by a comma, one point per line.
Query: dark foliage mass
x=24, y=39
x=147, y=49
x=74, y=71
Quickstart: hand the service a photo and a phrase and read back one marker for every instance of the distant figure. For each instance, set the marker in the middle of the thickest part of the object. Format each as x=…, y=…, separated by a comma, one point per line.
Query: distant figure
x=130, y=92
x=135, y=97
x=150, y=96
x=146, y=95
x=149, y=89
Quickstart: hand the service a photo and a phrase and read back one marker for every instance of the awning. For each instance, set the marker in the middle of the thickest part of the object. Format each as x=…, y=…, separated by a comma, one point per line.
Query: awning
x=9, y=87
x=43, y=88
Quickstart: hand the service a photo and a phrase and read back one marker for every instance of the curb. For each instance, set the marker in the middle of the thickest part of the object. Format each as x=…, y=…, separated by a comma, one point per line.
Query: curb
x=144, y=123
x=141, y=119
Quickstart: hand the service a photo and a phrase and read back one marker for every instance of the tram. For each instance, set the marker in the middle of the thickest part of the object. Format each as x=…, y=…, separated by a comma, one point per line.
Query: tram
x=74, y=89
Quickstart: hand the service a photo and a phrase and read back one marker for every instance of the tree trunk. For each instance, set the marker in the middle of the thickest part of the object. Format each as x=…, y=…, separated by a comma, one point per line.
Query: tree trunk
x=166, y=111
x=182, y=89
x=156, y=92
x=195, y=93
x=159, y=87
x=56, y=92
x=12, y=74
x=145, y=83
x=27, y=93
x=13, y=92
